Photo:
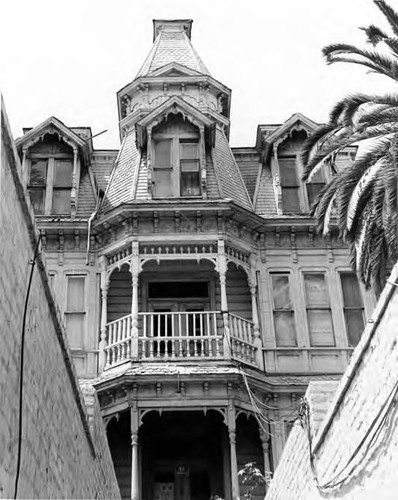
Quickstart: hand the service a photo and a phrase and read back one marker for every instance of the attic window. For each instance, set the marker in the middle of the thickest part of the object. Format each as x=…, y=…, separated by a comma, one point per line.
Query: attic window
x=176, y=160
x=289, y=184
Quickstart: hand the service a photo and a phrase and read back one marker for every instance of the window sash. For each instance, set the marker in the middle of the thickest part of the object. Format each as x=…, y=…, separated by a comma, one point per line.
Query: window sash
x=75, y=299
x=283, y=313
x=319, y=314
x=353, y=307
x=290, y=199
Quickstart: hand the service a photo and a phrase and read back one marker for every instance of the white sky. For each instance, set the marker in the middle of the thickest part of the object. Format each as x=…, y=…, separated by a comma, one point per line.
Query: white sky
x=68, y=58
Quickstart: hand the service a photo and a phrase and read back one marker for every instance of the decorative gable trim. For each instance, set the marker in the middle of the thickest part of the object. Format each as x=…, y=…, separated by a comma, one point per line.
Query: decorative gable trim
x=172, y=68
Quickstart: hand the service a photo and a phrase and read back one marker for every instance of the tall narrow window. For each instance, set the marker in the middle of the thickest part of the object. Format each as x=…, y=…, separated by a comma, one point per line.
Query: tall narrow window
x=315, y=186
x=289, y=184
x=284, y=323
x=189, y=168
x=75, y=311
x=37, y=185
x=61, y=203
x=318, y=310
x=162, y=168
x=353, y=307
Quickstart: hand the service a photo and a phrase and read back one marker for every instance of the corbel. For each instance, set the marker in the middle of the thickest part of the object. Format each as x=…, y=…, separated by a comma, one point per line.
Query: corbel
x=177, y=221
x=205, y=389
x=92, y=248
x=329, y=248
x=147, y=92
x=203, y=171
x=165, y=88
x=242, y=230
x=61, y=243
x=159, y=389
x=200, y=93
x=77, y=239
x=293, y=245
x=262, y=248
x=155, y=222
x=277, y=235
x=311, y=236
x=43, y=238
x=182, y=88
x=198, y=221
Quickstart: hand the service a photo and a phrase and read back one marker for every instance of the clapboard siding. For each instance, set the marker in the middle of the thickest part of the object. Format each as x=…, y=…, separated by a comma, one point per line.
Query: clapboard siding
x=238, y=294
x=119, y=294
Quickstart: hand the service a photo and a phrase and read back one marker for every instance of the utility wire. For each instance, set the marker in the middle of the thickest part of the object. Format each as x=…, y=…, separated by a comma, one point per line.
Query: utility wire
x=369, y=439
x=21, y=367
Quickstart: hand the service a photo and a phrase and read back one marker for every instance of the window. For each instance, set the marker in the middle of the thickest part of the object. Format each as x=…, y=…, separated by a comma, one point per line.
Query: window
x=319, y=315
x=176, y=160
x=353, y=307
x=75, y=311
x=50, y=185
x=315, y=186
x=284, y=322
x=289, y=184
x=37, y=185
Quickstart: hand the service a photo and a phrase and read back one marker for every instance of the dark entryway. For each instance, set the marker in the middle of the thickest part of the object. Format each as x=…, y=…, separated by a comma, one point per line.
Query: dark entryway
x=182, y=455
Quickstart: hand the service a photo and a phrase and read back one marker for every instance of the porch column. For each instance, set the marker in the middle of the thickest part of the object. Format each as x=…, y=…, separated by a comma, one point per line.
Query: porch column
x=222, y=272
x=135, y=477
x=135, y=271
x=264, y=437
x=104, y=313
x=232, y=451
x=256, y=324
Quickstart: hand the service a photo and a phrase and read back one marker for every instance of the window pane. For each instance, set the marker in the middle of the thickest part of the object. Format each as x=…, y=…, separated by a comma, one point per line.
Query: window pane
x=285, y=329
x=354, y=324
x=287, y=167
x=351, y=292
x=61, y=201
x=75, y=298
x=313, y=189
x=190, y=185
x=37, y=200
x=281, y=294
x=163, y=153
x=189, y=150
x=63, y=173
x=38, y=173
x=75, y=330
x=189, y=165
x=321, y=328
x=162, y=186
x=290, y=200
x=315, y=290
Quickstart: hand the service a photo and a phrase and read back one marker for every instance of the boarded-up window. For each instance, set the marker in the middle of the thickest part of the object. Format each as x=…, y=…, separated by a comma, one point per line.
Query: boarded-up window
x=353, y=307
x=319, y=315
x=37, y=185
x=289, y=184
x=189, y=168
x=61, y=204
x=162, y=169
x=284, y=321
x=75, y=311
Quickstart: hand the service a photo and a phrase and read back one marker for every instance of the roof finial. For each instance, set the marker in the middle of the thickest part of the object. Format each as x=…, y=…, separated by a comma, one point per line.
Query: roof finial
x=172, y=25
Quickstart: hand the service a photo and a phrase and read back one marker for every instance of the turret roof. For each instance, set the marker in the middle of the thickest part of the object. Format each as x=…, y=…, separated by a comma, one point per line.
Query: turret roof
x=172, y=44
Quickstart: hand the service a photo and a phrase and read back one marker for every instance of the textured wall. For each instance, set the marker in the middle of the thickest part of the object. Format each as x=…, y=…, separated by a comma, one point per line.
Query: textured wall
x=358, y=407
x=64, y=452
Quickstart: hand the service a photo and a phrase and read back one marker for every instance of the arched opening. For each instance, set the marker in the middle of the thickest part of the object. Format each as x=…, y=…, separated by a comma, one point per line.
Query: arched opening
x=119, y=293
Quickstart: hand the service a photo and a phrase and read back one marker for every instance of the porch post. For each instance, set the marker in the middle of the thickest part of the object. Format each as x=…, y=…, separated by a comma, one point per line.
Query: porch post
x=264, y=437
x=135, y=490
x=256, y=324
x=135, y=271
x=104, y=313
x=232, y=453
x=222, y=272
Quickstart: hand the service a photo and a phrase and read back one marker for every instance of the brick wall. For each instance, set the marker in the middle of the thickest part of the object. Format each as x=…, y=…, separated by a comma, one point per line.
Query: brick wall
x=364, y=471
x=64, y=453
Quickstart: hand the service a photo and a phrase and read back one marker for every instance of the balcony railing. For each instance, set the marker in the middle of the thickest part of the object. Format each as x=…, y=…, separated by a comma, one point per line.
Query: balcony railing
x=180, y=336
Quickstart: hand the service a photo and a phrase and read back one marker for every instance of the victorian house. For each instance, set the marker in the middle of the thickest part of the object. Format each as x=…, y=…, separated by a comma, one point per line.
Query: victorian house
x=199, y=300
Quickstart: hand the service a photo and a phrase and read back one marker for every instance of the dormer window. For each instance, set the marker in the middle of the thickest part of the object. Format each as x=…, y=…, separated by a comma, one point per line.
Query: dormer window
x=50, y=185
x=176, y=160
x=315, y=186
x=289, y=184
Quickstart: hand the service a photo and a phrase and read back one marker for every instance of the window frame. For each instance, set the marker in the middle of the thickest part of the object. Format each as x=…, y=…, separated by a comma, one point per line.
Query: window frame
x=292, y=310
x=326, y=307
x=49, y=184
x=83, y=312
x=176, y=138
x=356, y=308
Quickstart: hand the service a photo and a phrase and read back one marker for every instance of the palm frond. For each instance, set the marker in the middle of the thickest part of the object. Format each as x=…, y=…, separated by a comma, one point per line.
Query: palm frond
x=374, y=34
x=390, y=14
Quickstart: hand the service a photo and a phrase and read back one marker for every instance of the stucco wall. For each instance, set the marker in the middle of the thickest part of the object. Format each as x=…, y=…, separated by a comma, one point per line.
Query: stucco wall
x=64, y=453
x=354, y=416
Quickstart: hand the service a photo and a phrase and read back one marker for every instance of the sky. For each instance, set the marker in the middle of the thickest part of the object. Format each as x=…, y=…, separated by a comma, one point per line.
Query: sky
x=68, y=58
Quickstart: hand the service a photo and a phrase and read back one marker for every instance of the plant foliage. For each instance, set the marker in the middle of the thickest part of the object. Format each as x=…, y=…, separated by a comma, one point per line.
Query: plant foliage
x=363, y=195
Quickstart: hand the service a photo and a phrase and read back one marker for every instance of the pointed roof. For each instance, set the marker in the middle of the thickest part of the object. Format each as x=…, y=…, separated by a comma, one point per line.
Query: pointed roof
x=172, y=44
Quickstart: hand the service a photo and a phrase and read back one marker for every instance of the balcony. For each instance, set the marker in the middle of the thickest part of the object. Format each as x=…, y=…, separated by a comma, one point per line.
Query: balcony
x=180, y=336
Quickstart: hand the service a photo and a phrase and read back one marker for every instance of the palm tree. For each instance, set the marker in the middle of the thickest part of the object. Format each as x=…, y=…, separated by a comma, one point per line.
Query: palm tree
x=363, y=196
